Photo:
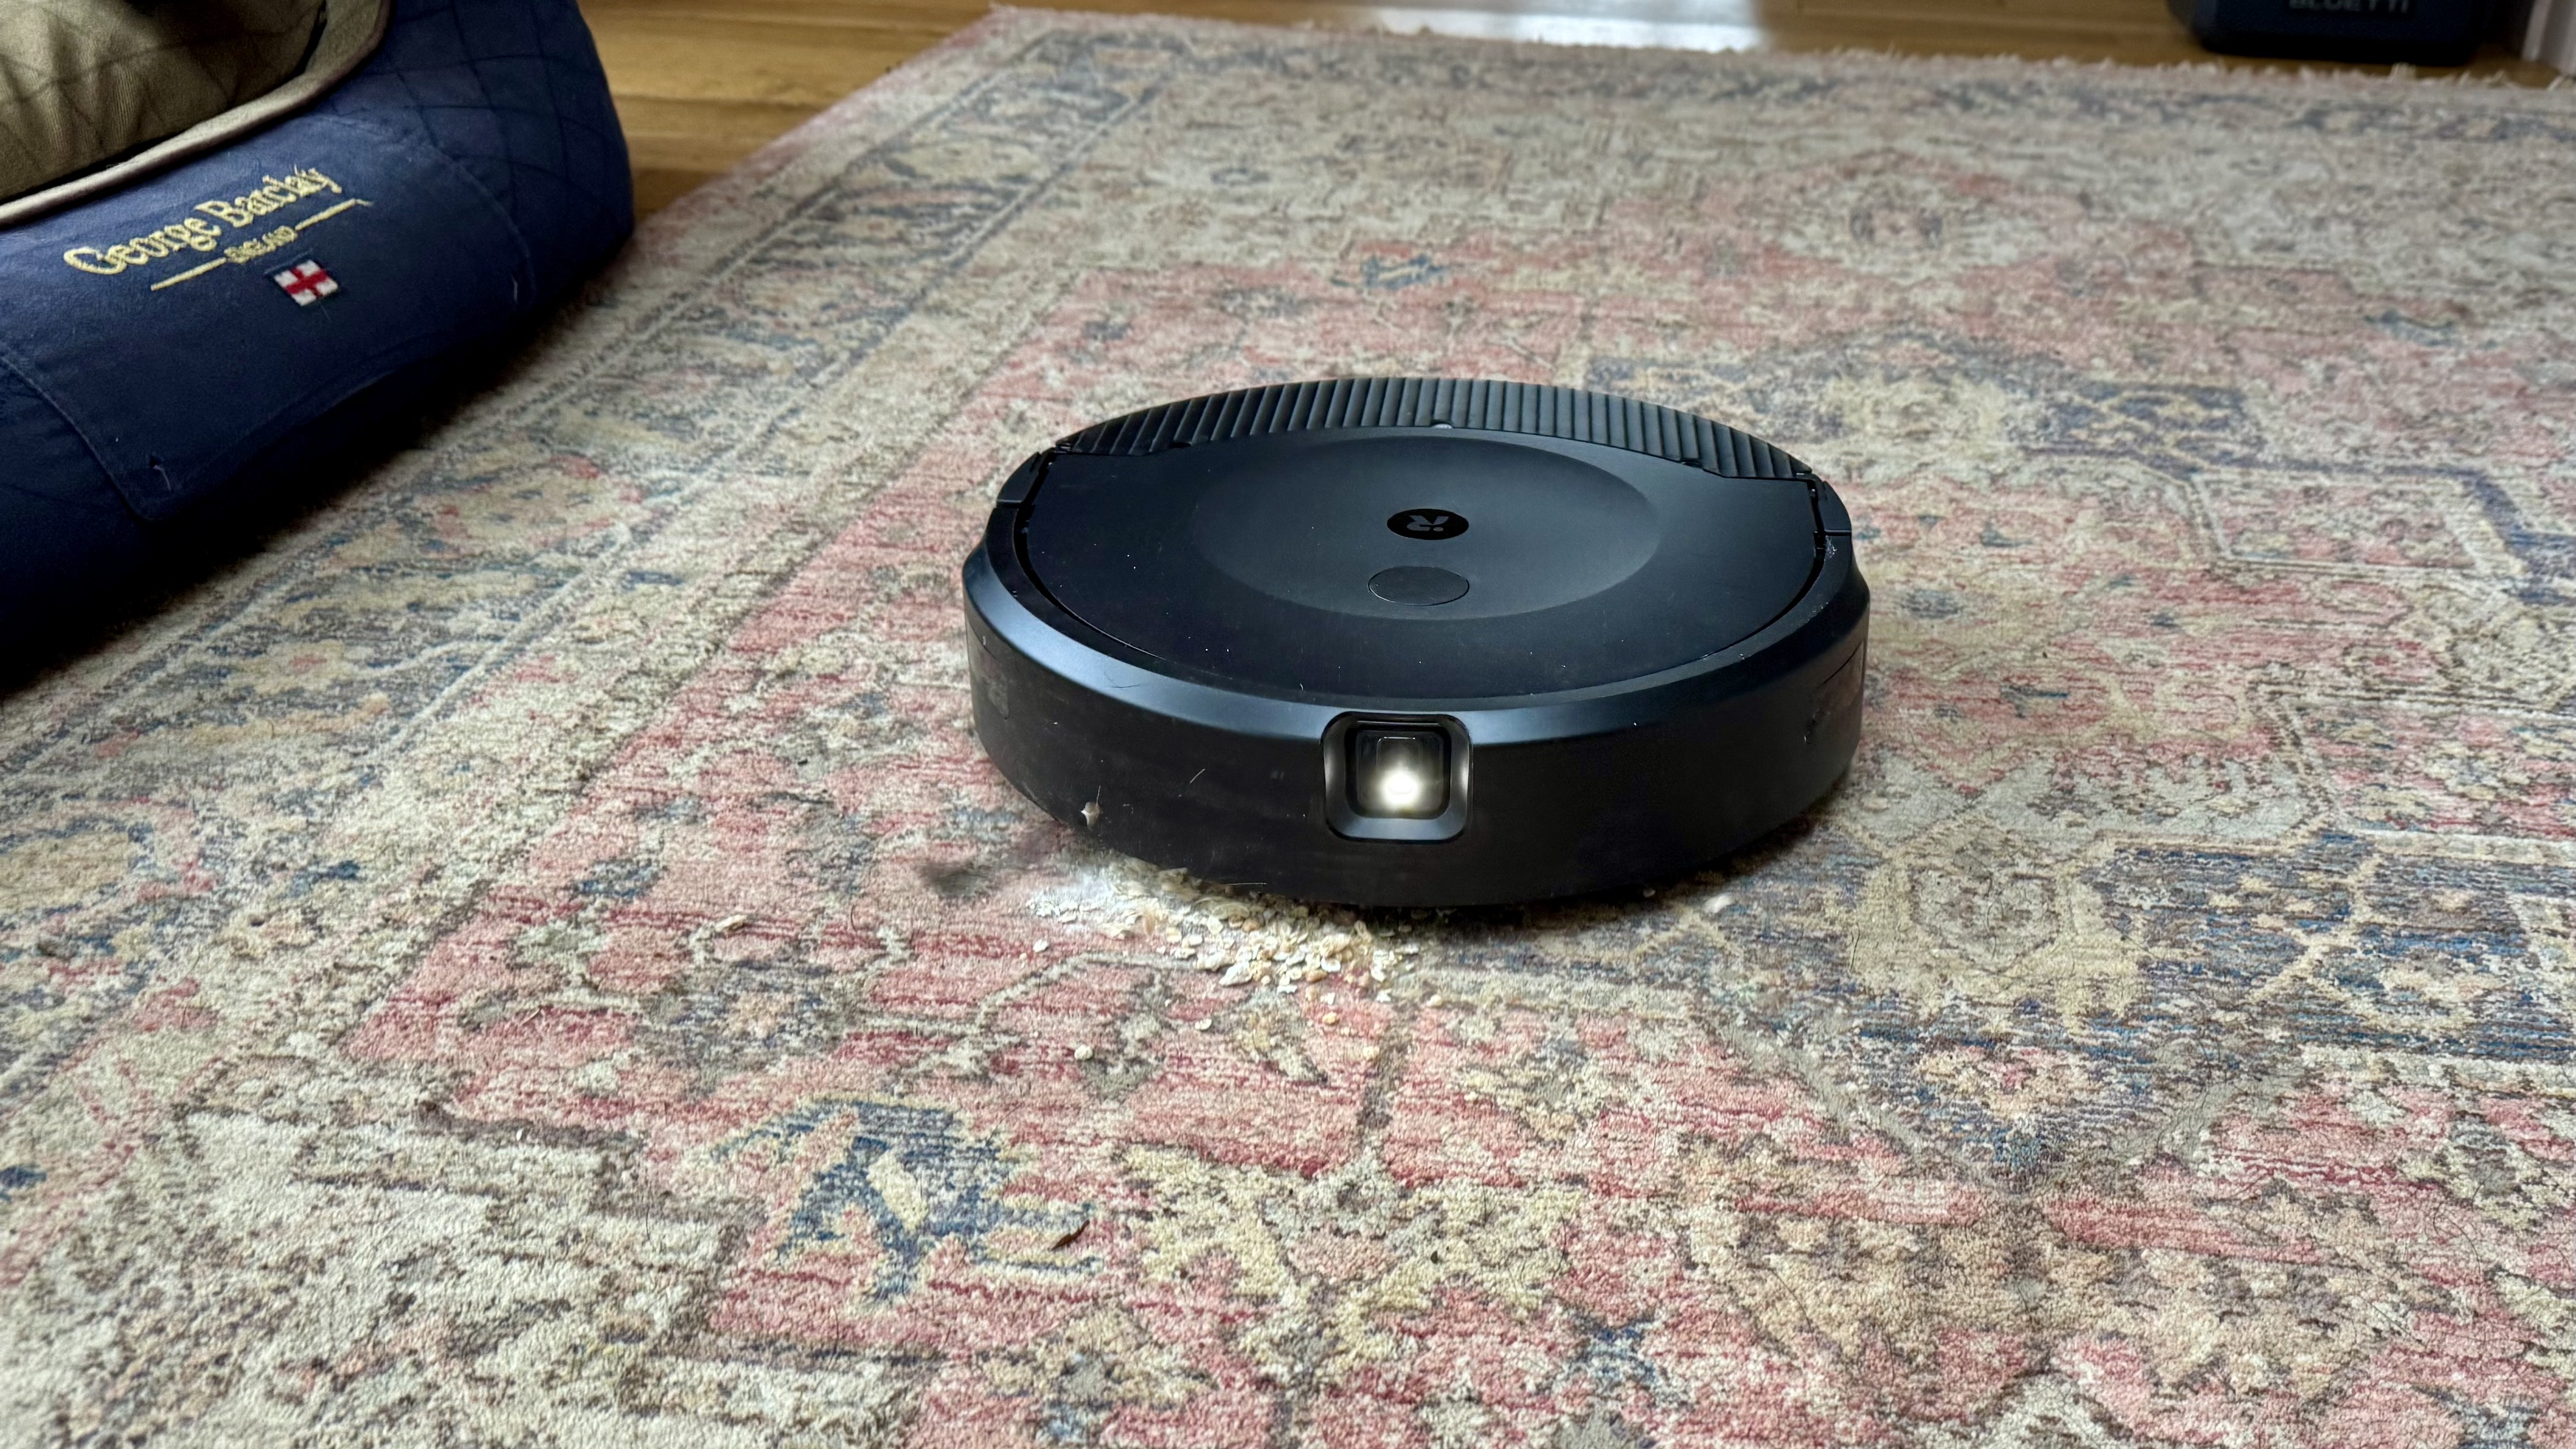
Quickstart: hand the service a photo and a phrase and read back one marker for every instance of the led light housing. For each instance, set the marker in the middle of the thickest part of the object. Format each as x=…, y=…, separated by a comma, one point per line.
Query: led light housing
x=1400, y=773
x=1395, y=778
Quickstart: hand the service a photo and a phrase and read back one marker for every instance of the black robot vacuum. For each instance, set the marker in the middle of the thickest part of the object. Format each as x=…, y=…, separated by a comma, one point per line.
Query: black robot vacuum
x=1418, y=641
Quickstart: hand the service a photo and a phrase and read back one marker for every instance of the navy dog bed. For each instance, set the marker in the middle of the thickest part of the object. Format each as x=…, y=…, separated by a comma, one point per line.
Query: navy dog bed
x=174, y=349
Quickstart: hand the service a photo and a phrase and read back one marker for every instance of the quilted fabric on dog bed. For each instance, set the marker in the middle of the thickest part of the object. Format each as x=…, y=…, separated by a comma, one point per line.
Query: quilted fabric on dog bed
x=95, y=93
x=82, y=80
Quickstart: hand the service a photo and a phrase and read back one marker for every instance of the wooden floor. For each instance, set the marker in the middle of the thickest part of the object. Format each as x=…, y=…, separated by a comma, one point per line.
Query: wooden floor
x=701, y=84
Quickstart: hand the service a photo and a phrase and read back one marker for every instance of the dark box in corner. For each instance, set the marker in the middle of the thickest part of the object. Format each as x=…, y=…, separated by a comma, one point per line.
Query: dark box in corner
x=2416, y=32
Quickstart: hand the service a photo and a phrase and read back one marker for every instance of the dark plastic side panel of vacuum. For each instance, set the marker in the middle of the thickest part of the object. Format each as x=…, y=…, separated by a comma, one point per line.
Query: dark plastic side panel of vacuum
x=1619, y=805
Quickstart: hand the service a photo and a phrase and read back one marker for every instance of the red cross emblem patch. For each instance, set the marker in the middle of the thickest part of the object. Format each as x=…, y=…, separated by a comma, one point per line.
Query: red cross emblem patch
x=306, y=282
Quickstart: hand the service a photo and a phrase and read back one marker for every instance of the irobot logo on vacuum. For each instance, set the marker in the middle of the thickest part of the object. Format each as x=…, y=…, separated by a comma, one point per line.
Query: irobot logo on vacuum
x=1230, y=635
x=1428, y=523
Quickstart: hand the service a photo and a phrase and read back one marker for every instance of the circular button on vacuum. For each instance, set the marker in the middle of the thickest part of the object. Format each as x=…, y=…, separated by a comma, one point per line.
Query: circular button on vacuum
x=1253, y=636
x=1418, y=586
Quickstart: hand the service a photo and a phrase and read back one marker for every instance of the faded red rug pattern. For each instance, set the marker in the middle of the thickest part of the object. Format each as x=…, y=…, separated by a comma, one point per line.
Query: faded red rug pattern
x=536, y=956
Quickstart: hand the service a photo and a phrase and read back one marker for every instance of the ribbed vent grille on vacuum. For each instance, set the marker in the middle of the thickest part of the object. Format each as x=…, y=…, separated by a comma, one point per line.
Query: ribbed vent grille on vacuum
x=1424, y=402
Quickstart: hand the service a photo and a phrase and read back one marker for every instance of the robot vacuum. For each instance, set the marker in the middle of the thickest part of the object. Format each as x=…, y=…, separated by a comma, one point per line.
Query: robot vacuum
x=1418, y=641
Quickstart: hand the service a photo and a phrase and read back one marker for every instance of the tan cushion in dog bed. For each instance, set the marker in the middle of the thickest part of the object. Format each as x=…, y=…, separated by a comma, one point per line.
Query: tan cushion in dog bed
x=93, y=92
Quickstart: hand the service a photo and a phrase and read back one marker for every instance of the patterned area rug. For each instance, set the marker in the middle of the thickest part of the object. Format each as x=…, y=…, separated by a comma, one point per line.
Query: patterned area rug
x=536, y=957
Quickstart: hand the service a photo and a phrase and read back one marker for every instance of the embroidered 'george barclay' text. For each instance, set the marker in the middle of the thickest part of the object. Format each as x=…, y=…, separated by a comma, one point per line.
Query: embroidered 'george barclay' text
x=196, y=233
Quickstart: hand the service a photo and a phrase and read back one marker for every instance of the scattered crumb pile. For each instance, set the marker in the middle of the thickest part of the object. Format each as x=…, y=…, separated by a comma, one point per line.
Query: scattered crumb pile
x=1254, y=941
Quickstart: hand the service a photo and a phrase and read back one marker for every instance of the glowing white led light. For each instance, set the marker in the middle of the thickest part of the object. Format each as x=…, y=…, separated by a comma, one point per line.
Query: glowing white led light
x=1399, y=789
